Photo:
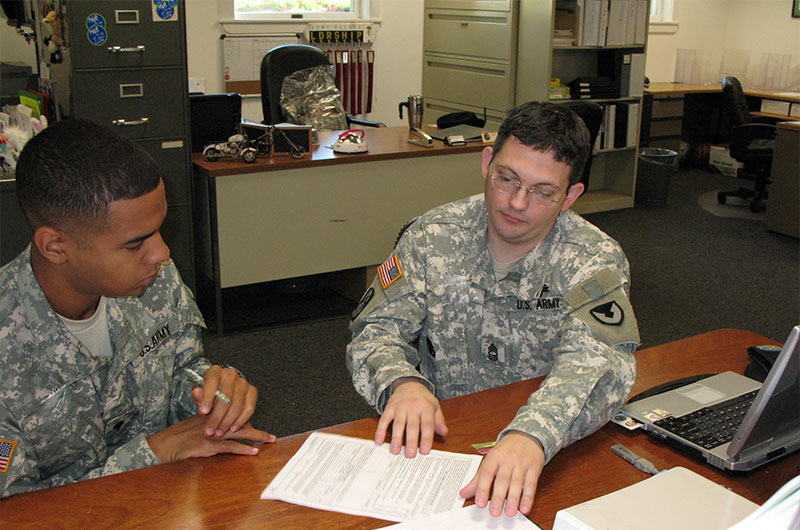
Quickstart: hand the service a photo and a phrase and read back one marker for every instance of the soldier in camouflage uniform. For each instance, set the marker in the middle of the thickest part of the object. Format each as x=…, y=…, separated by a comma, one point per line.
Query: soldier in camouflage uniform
x=96, y=325
x=497, y=288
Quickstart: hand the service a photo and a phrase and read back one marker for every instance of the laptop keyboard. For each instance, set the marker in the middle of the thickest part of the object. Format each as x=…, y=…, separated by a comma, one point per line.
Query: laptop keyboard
x=711, y=426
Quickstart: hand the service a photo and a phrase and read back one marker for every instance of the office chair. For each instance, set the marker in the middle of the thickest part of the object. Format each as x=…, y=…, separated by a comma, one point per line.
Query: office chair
x=752, y=144
x=592, y=115
x=286, y=60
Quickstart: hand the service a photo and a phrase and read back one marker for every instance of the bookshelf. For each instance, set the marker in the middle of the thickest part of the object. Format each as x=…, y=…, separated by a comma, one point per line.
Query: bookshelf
x=612, y=183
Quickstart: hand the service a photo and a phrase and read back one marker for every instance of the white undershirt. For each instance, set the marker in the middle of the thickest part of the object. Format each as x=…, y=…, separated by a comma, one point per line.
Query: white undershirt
x=93, y=331
x=502, y=268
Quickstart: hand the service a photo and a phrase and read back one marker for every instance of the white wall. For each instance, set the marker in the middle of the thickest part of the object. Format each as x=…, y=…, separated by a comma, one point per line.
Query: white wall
x=715, y=25
x=398, y=52
x=13, y=48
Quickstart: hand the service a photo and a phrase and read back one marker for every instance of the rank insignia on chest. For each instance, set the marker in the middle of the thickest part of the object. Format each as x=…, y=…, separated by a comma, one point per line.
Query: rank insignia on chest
x=390, y=271
x=494, y=352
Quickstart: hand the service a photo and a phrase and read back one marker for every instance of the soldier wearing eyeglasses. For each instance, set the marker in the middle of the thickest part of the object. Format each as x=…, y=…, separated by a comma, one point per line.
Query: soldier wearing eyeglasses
x=496, y=288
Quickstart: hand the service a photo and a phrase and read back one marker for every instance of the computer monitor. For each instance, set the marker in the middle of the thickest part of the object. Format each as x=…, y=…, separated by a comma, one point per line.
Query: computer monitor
x=214, y=118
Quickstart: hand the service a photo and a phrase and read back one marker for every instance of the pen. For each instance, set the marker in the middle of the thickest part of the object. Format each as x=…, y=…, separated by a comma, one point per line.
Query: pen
x=638, y=461
x=198, y=379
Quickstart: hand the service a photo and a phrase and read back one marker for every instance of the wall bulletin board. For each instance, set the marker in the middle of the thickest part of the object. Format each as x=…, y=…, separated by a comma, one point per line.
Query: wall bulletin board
x=242, y=56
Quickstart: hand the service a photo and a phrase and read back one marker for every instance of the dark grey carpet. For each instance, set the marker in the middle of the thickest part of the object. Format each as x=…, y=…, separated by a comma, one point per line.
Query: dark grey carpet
x=691, y=271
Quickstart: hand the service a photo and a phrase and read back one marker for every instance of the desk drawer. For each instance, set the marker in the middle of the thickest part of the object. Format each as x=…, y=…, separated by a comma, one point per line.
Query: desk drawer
x=660, y=128
x=139, y=103
x=486, y=34
x=478, y=83
x=668, y=107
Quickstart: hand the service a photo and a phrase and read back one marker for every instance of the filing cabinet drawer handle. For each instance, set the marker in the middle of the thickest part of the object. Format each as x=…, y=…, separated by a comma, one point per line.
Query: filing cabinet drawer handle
x=132, y=49
x=123, y=123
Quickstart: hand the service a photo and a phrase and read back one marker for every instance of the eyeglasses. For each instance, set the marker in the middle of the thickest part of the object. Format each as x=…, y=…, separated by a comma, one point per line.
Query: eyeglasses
x=539, y=195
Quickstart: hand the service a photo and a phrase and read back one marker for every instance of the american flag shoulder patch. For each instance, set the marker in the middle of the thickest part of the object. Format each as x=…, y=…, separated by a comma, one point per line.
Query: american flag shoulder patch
x=390, y=271
x=6, y=452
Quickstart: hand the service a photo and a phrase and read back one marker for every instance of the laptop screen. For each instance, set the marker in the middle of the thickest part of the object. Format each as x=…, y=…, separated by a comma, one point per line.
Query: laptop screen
x=774, y=417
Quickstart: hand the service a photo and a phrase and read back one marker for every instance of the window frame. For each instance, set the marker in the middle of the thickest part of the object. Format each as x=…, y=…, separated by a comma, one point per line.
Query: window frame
x=662, y=11
x=361, y=11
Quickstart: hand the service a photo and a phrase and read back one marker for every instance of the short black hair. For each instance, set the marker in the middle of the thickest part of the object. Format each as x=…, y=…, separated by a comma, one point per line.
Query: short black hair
x=69, y=173
x=547, y=127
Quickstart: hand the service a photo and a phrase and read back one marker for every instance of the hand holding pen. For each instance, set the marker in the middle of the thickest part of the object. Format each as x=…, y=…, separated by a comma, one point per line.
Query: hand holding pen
x=225, y=397
x=225, y=402
x=198, y=380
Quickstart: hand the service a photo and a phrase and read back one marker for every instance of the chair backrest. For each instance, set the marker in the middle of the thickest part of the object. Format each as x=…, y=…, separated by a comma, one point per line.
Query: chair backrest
x=276, y=65
x=734, y=96
x=592, y=115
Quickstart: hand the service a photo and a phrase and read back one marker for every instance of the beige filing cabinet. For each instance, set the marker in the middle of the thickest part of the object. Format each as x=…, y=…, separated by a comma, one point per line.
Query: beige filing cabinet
x=469, y=57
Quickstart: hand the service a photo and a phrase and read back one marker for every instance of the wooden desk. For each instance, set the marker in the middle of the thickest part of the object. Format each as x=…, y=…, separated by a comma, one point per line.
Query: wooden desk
x=697, y=113
x=223, y=491
x=783, y=206
x=688, y=88
x=283, y=218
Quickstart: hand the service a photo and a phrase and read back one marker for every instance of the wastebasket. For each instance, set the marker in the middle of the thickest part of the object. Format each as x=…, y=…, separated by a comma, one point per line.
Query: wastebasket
x=656, y=166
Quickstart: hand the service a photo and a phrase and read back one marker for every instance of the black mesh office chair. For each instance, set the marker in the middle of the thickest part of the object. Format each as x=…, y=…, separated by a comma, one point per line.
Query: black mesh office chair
x=286, y=60
x=752, y=144
x=592, y=115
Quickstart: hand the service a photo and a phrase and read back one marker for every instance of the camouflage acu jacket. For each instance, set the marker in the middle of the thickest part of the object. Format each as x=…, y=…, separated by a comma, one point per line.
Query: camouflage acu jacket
x=67, y=415
x=562, y=311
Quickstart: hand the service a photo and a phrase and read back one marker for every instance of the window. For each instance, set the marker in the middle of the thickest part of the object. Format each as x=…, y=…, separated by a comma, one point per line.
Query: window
x=297, y=9
x=661, y=10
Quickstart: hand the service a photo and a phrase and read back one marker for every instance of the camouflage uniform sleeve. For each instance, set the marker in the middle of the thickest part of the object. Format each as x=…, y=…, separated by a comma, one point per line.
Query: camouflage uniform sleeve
x=188, y=354
x=386, y=323
x=23, y=472
x=594, y=368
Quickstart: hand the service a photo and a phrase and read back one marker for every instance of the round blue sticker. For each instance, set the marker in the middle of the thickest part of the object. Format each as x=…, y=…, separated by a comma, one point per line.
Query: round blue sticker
x=164, y=9
x=95, y=19
x=97, y=35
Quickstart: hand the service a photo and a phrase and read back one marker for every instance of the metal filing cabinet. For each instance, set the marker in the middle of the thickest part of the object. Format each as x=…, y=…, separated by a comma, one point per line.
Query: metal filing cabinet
x=125, y=66
x=469, y=61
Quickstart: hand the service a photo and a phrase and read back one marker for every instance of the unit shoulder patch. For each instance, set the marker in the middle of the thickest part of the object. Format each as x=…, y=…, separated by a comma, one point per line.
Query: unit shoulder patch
x=600, y=302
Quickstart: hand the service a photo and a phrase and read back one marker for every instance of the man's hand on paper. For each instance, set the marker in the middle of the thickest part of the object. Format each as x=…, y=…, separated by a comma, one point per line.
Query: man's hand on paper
x=414, y=412
x=188, y=438
x=514, y=466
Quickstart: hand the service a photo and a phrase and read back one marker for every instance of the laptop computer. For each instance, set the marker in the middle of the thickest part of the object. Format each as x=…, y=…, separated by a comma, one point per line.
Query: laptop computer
x=762, y=420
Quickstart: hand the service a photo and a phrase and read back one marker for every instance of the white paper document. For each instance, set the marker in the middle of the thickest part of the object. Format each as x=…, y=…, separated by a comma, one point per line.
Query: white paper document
x=355, y=476
x=468, y=518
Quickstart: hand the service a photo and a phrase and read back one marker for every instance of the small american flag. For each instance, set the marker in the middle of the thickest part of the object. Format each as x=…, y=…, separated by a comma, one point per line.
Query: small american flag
x=6, y=450
x=389, y=271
